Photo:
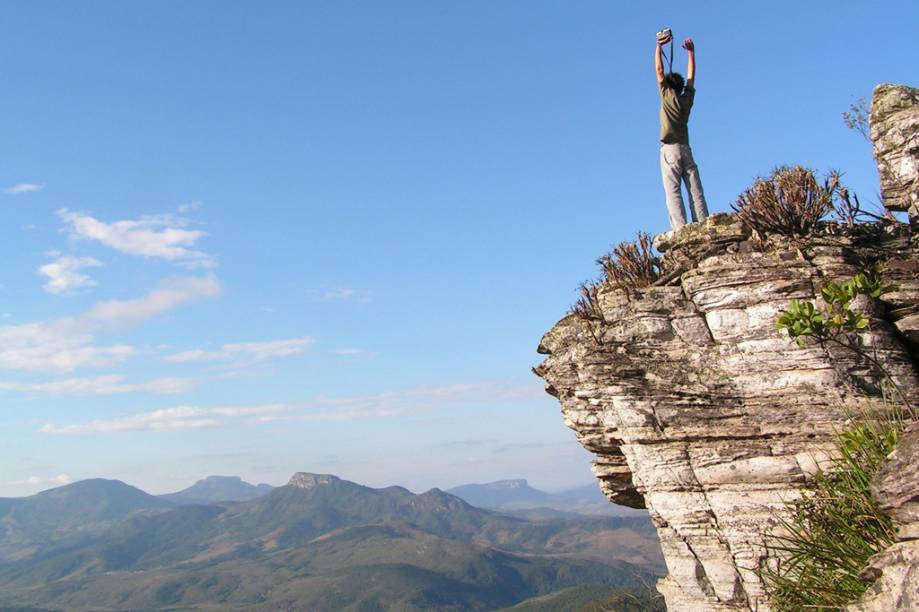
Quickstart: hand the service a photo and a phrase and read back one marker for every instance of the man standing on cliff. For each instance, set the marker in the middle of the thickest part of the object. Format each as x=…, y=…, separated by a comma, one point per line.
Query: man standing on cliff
x=677, y=163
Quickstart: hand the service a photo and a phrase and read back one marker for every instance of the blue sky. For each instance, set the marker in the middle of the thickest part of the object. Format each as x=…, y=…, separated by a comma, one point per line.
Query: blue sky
x=258, y=238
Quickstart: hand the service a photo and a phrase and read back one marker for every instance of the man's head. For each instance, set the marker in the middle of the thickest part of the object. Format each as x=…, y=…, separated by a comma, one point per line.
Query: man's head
x=674, y=81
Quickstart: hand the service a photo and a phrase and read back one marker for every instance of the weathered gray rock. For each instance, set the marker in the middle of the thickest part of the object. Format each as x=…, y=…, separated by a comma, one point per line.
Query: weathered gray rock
x=895, y=571
x=697, y=408
x=897, y=583
x=896, y=484
x=305, y=480
x=894, y=123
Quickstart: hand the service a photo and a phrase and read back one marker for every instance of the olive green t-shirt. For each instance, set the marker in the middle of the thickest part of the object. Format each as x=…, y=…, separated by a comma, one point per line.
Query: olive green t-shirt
x=675, y=114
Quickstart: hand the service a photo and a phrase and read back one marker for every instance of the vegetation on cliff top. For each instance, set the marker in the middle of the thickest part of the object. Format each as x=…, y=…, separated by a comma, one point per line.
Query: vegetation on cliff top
x=789, y=202
x=631, y=264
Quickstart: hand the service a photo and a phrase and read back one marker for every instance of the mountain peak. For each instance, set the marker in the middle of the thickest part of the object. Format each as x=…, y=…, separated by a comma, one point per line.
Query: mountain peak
x=221, y=479
x=305, y=480
x=516, y=483
x=213, y=489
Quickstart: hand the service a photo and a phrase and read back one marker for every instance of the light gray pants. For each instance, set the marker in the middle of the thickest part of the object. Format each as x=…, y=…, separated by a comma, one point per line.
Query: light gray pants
x=677, y=164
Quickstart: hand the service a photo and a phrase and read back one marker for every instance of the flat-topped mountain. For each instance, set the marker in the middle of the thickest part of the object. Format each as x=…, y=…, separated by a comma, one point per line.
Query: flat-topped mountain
x=218, y=489
x=517, y=497
x=501, y=492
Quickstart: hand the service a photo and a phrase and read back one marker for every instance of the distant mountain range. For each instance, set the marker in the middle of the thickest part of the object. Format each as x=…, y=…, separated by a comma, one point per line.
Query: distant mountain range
x=514, y=496
x=518, y=497
x=318, y=543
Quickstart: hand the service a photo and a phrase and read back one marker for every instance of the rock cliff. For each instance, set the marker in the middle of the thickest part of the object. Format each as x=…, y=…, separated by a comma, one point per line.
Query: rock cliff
x=895, y=571
x=895, y=133
x=698, y=409
x=305, y=480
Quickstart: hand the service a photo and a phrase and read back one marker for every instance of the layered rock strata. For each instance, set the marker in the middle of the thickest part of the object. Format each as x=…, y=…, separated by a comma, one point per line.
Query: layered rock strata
x=697, y=408
x=894, y=123
x=305, y=480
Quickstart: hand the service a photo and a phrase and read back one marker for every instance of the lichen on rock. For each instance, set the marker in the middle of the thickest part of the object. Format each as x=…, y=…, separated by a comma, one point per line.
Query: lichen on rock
x=895, y=133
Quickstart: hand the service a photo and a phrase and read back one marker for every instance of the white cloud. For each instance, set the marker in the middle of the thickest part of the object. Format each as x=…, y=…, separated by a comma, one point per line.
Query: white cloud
x=257, y=351
x=177, y=418
x=37, y=348
x=158, y=236
x=62, y=273
x=63, y=345
x=411, y=401
x=21, y=188
x=103, y=385
x=422, y=398
x=170, y=293
x=384, y=405
x=346, y=293
x=34, y=481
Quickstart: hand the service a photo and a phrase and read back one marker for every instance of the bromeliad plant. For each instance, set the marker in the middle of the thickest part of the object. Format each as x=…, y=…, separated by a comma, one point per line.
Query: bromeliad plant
x=631, y=264
x=790, y=201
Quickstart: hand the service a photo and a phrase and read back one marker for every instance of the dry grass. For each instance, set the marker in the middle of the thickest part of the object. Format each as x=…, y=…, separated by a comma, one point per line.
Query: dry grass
x=631, y=264
x=790, y=201
x=586, y=307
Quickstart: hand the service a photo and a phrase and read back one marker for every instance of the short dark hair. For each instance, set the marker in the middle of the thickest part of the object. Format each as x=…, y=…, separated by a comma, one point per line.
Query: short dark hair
x=674, y=81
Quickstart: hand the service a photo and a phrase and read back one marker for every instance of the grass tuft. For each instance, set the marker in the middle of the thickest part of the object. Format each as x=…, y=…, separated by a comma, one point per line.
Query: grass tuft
x=832, y=530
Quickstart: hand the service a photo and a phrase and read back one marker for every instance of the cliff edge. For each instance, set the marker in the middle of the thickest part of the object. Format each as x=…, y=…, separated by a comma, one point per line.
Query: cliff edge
x=697, y=408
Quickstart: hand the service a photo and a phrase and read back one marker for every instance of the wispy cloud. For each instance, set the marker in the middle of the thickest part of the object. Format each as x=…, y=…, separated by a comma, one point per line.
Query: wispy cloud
x=346, y=293
x=256, y=351
x=158, y=236
x=62, y=273
x=177, y=418
x=384, y=405
x=63, y=345
x=103, y=385
x=35, y=481
x=114, y=314
x=20, y=188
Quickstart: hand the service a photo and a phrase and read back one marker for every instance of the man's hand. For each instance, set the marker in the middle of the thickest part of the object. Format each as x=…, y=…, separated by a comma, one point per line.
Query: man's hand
x=688, y=45
x=664, y=41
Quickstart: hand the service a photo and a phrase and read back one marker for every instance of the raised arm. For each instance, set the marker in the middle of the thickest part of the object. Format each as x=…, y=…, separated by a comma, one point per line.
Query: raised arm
x=659, y=63
x=691, y=69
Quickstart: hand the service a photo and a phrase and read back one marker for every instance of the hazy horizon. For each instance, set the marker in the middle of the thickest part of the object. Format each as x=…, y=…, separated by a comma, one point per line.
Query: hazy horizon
x=176, y=489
